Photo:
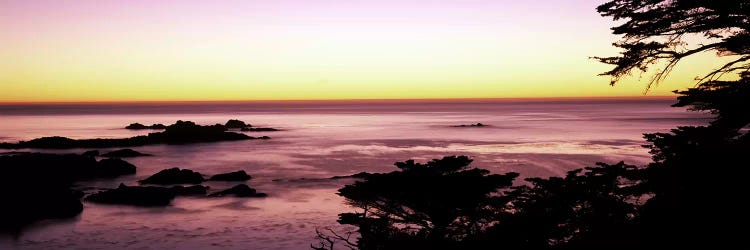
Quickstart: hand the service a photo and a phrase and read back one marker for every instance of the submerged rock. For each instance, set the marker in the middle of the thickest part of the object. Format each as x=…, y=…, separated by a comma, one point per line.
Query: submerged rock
x=233, y=176
x=195, y=190
x=124, y=153
x=134, y=195
x=138, y=126
x=174, y=176
x=240, y=190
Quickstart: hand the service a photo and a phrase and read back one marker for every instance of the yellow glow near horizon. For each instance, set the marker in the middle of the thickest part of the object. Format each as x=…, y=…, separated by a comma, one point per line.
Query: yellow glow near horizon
x=236, y=57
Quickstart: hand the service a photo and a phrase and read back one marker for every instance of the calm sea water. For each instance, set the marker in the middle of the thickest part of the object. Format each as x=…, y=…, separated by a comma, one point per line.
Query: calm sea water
x=320, y=140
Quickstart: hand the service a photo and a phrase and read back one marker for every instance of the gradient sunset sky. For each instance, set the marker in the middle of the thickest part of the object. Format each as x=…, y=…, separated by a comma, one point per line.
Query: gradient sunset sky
x=101, y=50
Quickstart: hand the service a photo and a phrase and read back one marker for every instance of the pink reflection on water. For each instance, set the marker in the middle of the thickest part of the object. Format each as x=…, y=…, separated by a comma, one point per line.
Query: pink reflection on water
x=534, y=139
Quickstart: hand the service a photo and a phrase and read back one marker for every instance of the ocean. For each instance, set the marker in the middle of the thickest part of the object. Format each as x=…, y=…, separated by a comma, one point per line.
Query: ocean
x=319, y=139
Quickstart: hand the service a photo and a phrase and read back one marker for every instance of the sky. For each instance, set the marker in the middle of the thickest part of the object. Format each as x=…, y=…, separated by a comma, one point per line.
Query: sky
x=184, y=50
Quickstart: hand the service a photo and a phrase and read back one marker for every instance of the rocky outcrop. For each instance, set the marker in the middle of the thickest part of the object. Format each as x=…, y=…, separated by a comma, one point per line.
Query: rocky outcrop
x=123, y=153
x=236, y=124
x=174, y=176
x=38, y=167
x=240, y=190
x=232, y=176
x=134, y=195
x=195, y=190
x=189, y=132
x=470, y=125
x=182, y=132
x=242, y=126
x=110, y=168
x=138, y=126
x=37, y=186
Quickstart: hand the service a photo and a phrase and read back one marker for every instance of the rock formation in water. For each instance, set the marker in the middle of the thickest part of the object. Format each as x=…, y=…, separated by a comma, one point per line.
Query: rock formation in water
x=232, y=176
x=110, y=168
x=37, y=186
x=145, y=195
x=134, y=195
x=122, y=153
x=182, y=132
x=194, y=190
x=138, y=126
x=240, y=190
x=236, y=124
x=479, y=124
x=174, y=176
x=245, y=127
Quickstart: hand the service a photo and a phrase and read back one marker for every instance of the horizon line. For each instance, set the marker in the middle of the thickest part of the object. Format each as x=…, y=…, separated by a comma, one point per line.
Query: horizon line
x=560, y=98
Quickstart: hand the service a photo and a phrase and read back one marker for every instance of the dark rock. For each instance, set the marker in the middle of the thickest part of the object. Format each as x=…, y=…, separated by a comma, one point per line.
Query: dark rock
x=471, y=125
x=195, y=190
x=189, y=132
x=113, y=168
x=64, y=168
x=23, y=205
x=236, y=124
x=134, y=195
x=263, y=137
x=233, y=176
x=48, y=142
x=181, y=132
x=91, y=153
x=125, y=153
x=138, y=126
x=240, y=190
x=174, y=176
x=37, y=186
x=248, y=129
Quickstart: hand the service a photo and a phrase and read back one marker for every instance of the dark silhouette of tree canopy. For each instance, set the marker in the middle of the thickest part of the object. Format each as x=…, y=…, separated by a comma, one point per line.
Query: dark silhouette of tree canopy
x=422, y=205
x=591, y=208
x=667, y=31
x=692, y=182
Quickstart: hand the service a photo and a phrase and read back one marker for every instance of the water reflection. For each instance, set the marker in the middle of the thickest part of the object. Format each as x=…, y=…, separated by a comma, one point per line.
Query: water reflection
x=537, y=139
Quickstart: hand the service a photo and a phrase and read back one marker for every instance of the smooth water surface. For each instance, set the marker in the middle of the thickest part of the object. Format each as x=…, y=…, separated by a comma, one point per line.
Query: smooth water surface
x=319, y=140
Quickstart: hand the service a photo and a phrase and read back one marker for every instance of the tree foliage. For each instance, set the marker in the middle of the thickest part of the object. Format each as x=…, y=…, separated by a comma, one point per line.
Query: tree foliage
x=666, y=31
x=436, y=203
